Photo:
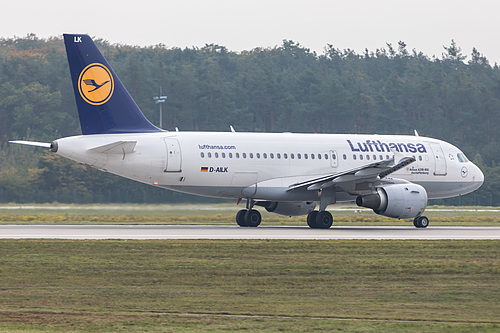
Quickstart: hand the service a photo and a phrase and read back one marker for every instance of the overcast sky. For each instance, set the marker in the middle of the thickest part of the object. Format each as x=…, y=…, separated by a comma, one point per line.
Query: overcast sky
x=424, y=25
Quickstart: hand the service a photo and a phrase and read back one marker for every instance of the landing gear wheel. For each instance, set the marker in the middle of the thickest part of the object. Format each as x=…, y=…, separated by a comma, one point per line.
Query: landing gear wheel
x=421, y=222
x=311, y=219
x=252, y=218
x=240, y=218
x=324, y=220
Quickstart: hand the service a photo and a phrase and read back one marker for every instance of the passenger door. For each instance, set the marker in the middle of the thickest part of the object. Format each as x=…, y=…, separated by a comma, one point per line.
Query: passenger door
x=174, y=156
x=439, y=159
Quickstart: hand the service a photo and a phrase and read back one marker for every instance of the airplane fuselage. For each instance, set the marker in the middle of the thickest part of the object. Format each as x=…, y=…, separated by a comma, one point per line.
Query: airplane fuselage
x=263, y=165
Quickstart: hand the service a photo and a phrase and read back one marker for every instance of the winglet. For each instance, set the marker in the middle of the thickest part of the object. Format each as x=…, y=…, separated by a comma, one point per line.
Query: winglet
x=104, y=105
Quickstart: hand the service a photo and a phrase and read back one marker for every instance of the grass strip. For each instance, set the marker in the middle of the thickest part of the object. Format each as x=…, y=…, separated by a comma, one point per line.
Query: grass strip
x=225, y=214
x=56, y=285
x=230, y=219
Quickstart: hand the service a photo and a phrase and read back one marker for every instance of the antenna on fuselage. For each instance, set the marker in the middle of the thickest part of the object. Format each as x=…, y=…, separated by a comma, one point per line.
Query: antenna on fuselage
x=232, y=129
x=416, y=133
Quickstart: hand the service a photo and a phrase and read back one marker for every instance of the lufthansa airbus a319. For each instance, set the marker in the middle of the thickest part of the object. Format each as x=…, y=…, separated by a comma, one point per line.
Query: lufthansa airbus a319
x=286, y=173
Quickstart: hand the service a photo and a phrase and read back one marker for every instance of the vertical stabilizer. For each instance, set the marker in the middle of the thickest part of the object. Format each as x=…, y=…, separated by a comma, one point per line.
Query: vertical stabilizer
x=104, y=105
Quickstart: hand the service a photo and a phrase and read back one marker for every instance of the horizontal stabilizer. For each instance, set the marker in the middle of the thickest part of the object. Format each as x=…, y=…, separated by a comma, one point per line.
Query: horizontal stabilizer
x=32, y=143
x=118, y=147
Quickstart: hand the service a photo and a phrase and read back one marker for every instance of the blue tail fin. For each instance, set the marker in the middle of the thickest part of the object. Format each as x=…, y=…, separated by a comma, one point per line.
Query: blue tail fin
x=104, y=105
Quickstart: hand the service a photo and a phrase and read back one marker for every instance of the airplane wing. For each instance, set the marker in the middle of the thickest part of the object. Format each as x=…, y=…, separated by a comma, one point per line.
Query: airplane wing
x=32, y=143
x=348, y=179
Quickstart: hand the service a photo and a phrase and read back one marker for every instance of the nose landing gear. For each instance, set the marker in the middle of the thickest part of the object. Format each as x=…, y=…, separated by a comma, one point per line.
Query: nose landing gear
x=421, y=222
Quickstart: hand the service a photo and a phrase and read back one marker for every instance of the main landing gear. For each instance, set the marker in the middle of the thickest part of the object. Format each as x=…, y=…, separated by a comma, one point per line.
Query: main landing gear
x=248, y=217
x=319, y=220
x=421, y=222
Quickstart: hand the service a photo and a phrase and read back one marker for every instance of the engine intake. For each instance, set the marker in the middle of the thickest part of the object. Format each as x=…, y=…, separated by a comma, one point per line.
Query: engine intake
x=400, y=201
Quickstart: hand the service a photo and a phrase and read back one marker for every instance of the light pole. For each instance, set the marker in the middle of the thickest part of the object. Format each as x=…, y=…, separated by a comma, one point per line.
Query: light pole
x=160, y=100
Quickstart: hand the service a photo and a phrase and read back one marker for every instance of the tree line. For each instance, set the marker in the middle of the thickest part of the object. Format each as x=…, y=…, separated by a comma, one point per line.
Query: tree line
x=391, y=90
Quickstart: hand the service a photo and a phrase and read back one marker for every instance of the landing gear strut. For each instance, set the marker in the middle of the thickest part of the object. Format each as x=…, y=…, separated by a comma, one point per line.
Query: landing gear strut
x=248, y=217
x=421, y=222
x=321, y=220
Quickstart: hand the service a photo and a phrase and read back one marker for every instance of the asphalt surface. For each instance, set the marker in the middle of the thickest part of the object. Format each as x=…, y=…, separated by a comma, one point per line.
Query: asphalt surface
x=235, y=232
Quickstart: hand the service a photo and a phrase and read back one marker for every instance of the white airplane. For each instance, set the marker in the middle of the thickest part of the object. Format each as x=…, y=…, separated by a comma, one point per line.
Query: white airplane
x=286, y=173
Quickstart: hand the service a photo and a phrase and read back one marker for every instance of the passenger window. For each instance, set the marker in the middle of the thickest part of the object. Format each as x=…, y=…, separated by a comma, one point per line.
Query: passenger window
x=251, y=155
x=354, y=157
x=230, y=155
x=381, y=157
x=374, y=157
x=292, y=156
x=237, y=155
x=345, y=157
x=367, y=157
x=334, y=157
x=305, y=156
x=278, y=155
x=326, y=156
x=271, y=155
x=216, y=155
x=319, y=156
x=360, y=157
x=312, y=156
x=264, y=155
x=209, y=155
x=420, y=157
x=298, y=156
x=258, y=155
x=244, y=155
x=223, y=155
x=285, y=156
x=202, y=154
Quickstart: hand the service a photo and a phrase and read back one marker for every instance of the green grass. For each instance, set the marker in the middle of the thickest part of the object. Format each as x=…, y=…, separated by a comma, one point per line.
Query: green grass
x=225, y=214
x=272, y=286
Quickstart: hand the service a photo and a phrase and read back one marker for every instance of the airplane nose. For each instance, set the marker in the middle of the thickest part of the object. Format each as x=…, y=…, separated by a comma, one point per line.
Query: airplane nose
x=477, y=177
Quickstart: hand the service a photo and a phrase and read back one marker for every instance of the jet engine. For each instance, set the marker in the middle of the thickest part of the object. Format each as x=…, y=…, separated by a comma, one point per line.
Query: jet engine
x=400, y=201
x=288, y=208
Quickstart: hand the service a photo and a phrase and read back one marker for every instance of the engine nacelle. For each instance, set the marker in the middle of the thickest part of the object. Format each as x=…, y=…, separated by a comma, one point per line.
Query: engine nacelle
x=400, y=201
x=289, y=208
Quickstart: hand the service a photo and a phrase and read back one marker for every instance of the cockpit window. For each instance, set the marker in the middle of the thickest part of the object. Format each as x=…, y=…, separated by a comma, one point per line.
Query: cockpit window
x=461, y=158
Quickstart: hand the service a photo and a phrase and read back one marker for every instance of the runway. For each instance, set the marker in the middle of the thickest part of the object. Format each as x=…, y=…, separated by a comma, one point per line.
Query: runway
x=234, y=232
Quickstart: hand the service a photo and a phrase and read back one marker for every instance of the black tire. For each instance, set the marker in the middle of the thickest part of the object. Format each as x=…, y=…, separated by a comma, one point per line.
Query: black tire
x=424, y=221
x=311, y=219
x=324, y=220
x=252, y=218
x=240, y=218
x=421, y=222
